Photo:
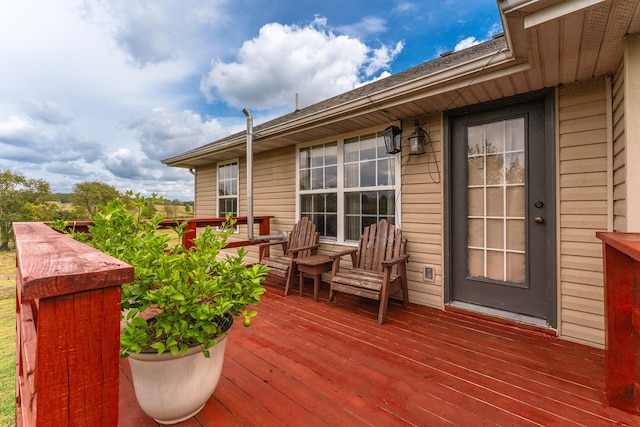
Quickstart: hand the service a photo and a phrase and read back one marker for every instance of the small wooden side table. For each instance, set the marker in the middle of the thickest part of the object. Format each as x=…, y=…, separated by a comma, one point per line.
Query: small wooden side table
x=315, y=265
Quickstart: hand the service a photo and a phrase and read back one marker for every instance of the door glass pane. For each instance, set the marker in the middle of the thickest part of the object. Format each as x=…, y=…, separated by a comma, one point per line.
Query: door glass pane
x=476, y=262
x=495, y=265
x=495, y=233
x=496, y=201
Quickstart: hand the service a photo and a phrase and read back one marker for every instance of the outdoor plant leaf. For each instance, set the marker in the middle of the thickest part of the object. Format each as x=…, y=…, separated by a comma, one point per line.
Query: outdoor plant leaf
x=183, y=293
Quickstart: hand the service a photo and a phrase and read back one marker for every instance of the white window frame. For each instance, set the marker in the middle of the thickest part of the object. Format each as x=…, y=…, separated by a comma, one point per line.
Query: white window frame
x=237, y=196
x=340, y=190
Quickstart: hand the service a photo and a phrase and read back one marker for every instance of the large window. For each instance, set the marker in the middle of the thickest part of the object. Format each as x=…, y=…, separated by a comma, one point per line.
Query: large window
x=347, y=185
x=227, y=199
x=318, y=177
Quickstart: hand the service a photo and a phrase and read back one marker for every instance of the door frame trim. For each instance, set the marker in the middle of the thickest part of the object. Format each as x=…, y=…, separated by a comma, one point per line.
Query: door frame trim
x=548, y=95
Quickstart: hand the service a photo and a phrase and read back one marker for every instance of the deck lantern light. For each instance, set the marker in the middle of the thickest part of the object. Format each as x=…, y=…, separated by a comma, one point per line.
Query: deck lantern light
x=416, y=140
x=393, y=139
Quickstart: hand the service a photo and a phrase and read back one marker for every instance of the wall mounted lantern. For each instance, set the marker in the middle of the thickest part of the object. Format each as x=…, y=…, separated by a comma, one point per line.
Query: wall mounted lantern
x=393, y=139
x=416, y=140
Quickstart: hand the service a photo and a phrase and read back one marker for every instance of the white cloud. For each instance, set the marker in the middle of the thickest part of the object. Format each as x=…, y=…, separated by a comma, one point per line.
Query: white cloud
x=162, y=134
x=364, y=28
x=465, y=43
x=283, y=60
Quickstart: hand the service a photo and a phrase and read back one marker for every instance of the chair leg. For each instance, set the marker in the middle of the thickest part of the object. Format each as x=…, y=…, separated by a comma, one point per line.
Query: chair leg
x=384, y=302
x=332, y=295
x=288, y=281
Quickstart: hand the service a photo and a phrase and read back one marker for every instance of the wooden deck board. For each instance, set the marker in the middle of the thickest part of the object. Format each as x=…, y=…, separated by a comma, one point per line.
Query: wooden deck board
x=316, y=363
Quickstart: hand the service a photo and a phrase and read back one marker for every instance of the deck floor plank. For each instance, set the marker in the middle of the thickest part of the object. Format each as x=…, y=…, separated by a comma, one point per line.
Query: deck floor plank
x=306, y=363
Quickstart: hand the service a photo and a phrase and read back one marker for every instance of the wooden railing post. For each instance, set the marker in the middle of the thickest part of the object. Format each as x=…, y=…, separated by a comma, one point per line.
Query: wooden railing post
x=622, y=319
x=68, y=329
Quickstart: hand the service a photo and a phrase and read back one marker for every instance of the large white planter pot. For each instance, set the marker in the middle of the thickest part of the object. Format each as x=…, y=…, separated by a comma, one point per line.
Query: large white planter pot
x=172, y=388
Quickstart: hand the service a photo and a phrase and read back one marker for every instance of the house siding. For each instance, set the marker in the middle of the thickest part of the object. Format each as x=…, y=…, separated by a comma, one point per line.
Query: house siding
x=583, y=195
x=422, y=214
x=205, y=192
x=619, y=153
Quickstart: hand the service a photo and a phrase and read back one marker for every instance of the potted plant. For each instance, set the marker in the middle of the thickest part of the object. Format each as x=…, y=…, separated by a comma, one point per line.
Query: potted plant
x=180, y=306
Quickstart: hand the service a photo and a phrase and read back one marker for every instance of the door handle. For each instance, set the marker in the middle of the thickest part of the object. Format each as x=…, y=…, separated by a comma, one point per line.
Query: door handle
x=538, y=220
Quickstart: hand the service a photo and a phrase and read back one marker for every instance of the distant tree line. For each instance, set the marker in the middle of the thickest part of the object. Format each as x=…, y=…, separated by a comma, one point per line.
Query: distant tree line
x=24, y=199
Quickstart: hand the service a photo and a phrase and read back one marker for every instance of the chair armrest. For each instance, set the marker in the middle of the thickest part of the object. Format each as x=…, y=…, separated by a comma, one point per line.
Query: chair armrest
x=338, y=255
x=277, y=242
x=303, y=248
x=343, y=253
x=393, y=261
x=266, y=246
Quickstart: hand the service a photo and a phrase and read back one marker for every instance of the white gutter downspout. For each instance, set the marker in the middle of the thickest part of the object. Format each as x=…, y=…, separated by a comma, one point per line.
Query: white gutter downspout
x=249, y=174
x=282, y=235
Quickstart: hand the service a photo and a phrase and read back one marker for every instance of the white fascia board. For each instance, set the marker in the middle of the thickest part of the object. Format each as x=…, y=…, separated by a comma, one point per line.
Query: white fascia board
x=557, y=11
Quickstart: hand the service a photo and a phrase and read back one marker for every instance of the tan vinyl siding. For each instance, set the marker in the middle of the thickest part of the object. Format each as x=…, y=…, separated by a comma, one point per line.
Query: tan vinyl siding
x=582, y=209
x=619, y=153
x=205, y=192
x=422, y=214
x=273, y=192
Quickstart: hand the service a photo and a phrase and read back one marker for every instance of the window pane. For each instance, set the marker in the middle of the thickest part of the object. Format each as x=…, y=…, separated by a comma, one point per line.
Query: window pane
x=514, y=135
x=352, y=228
x=352, y=203
x=475, y=140
x=305, y=204
x=332, y=226
x=305, y=179
x=331, y=154
x=495, y=265
x=495, y=202
x=317, y=179
x=318, y=203
x=476, y=202
x=332, y=202
x=515, y=168
x=368, y=148
x=495, y=137
x=351, y=151
x=476, y=262
x=305, y=161
x=368, y=174
x=351, y=175
x=515, y=201
x=317, y=158
x=387, y=203
x=476, y=171
x=475, y=232
x=495, y=169
x=369, y=203
x=495, y=233
x=384, y=172
x=515, y=234
x=516, y=268
x=331, y=177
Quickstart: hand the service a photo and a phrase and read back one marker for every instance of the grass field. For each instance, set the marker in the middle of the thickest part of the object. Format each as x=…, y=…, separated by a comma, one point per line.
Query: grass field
x=7, y=339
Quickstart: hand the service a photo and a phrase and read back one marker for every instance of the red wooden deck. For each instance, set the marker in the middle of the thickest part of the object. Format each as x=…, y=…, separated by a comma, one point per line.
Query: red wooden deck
x=306, y=363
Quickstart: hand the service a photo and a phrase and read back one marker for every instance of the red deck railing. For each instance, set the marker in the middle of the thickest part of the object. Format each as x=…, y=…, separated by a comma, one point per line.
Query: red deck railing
x=67, y=330
x=622, y=319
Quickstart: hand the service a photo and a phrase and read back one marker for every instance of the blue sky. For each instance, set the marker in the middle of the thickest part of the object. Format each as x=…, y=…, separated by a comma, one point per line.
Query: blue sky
x=102, y=90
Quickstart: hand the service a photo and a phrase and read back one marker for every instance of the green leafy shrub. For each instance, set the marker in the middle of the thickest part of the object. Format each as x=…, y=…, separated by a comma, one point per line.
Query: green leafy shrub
x=179, y=298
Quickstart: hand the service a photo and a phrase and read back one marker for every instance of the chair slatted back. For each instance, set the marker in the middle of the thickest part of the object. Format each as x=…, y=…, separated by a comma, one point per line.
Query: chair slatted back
x=379, y=242
x=303, y=234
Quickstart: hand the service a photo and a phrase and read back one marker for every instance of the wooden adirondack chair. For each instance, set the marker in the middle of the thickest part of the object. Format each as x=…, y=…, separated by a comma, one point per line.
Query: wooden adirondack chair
x=303, y=242
x=379, y=267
